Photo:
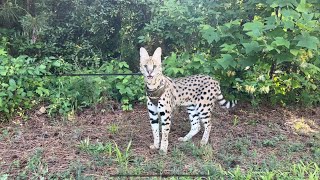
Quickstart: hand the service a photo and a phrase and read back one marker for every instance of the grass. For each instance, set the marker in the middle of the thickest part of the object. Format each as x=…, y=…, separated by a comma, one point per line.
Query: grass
x=95, y=148
x=122, y=157
x=4, y=133
x=36, y=168
x=76, y=170
x=241, y=148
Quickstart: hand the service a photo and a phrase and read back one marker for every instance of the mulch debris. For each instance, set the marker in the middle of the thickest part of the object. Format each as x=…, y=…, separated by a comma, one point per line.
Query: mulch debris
x=58, y=139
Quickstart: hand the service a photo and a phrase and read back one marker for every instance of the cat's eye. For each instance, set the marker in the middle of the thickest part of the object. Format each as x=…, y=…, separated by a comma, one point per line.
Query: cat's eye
x=154, y=66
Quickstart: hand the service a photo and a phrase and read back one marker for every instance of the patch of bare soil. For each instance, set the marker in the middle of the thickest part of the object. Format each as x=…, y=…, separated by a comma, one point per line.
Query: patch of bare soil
x=59, y=139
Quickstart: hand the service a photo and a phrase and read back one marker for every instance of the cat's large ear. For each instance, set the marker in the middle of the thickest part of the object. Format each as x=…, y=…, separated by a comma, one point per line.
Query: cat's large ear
x=157, y=55
x=143, y=54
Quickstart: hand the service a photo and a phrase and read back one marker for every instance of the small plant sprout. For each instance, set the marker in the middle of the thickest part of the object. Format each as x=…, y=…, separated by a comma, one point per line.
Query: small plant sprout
x=122, y=158
x=113, y=128
x=235, y=120
x=84, y=144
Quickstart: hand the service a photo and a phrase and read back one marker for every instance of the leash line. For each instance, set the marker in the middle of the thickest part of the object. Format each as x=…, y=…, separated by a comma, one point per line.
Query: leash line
x=70, y=74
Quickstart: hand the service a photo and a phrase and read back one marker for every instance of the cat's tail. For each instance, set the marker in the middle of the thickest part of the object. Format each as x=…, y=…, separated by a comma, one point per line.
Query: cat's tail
x=224, y=103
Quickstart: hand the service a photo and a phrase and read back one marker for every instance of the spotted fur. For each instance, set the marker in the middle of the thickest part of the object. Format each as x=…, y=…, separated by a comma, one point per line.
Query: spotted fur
x=198, y=93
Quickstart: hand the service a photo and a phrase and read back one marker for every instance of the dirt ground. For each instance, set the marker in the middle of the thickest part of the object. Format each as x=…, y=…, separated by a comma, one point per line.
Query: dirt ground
x=59, y=139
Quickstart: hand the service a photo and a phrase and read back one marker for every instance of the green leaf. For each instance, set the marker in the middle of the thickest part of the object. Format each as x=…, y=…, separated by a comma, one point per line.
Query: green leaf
x=314, y=69
x=281, y=3
x=252, y=46
x=30, y=71
x=4, y=85
x=209, y=34
x=271, y=22
x=123, y=64
x=121, y=88
x=247, y=61
x=42, y=66
x=288, y=24
x=171, y=60
x=3, y=52
x=123, y=91
x=283, y=57
x=303, y=6
x=38, y=91
x=254, y=28
x=177, y=70
x=56, y=63
x=42, y=91
x=198, y=59
x=295, y=84
x=307, y=41
x=37, y=72
x=280, y=41
x=269, y=48
x=307, y=17
x=12, y=82
x=29, y=93
x=3, y=71
x=129, y=91
x=125, y=80
x=228, y=47
x=294, y=52
x=235, y=22
x=290, y=14
x=12, y=85
x=226, y=61
x=306, y=22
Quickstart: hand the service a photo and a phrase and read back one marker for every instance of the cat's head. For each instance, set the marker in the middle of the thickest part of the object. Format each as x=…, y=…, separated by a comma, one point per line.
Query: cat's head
x=150, y=66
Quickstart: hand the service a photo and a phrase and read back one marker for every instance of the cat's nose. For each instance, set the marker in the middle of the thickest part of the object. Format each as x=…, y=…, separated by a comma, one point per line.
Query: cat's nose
x=149, y=72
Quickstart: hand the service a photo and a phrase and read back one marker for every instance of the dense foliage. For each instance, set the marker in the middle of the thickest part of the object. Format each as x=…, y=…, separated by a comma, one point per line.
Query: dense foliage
x=259, y=50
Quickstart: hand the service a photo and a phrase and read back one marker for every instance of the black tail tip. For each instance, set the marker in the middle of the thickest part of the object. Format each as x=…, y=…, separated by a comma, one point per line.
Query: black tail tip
x=230, y=104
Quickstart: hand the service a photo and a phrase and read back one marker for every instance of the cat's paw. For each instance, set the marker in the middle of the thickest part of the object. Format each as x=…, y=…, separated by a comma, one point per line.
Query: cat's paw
x=203, y=143
x=163, y=152
x=182, y=139
x=152, y=146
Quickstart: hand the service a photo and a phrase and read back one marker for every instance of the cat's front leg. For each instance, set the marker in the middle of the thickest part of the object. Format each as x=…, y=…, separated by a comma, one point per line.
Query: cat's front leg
x=153, y=114
x=164, y=110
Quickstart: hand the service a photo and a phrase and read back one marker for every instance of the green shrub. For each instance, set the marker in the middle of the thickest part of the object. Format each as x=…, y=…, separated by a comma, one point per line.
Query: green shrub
x=261, y=51
x=21, y=86
x=127, y=89
x=72, y=93
x=275, y=56
x=24, y=84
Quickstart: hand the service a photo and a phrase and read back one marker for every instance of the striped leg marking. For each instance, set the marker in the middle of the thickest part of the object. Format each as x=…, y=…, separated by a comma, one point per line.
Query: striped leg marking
x=195, y=124
x=205, y=117
x=165, y=117
x=153, y=114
